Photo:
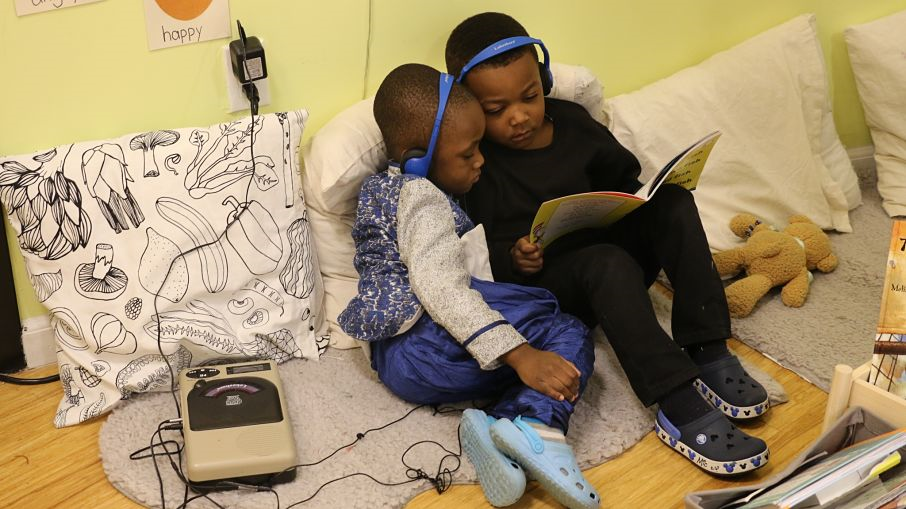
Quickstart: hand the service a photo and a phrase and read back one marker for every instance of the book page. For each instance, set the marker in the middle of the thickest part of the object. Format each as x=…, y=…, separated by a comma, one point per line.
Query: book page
x=685, y=169
x=560, y=216
x=889, y=359
x=556, y=218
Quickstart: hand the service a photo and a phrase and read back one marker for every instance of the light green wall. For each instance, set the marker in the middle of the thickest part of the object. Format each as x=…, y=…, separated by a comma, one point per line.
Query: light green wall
x=85, y=73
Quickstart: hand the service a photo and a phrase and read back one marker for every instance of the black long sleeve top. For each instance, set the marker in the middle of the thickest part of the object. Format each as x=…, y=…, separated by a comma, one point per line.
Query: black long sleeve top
x=583, y=156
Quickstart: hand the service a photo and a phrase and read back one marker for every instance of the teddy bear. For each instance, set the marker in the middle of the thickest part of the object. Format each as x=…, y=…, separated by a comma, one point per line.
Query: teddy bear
x=773, y=258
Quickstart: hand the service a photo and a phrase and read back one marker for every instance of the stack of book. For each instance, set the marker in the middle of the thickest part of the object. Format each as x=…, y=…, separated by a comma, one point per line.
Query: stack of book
x=868, y=474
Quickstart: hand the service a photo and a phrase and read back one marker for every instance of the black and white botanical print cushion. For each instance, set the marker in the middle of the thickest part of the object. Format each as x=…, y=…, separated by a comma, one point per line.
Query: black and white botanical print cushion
x=167, y=247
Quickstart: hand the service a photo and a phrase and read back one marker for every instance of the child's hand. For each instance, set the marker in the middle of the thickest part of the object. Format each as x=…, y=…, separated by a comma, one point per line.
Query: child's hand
x=546, y=372
x=528, y=258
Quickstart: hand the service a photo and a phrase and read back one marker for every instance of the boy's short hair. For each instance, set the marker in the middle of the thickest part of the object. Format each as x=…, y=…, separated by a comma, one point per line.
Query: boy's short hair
x=406, y=104
x=477, y=33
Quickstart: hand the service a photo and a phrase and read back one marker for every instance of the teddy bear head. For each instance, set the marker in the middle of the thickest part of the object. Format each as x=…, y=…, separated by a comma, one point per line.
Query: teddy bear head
x=744, y=225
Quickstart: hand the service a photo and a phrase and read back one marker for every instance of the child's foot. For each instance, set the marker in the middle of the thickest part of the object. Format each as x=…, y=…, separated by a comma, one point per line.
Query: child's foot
x=551, y=462
x=713, y=444
x=727, y=386
x=501, y=479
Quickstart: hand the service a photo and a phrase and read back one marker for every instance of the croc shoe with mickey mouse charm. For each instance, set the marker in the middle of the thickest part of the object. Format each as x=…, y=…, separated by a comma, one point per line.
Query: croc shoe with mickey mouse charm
x=713, y=444
x=730, y=389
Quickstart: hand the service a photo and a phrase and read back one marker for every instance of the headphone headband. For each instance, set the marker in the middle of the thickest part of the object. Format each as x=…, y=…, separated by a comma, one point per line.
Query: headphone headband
x=502, y=46
x=419, y=162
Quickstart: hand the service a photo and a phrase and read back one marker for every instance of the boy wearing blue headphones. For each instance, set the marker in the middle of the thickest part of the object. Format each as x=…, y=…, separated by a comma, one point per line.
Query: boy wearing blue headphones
x=438, y=335
x=539, y=148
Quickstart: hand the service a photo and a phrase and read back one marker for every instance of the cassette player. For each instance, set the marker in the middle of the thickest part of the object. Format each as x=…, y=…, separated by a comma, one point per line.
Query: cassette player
x=236, y=426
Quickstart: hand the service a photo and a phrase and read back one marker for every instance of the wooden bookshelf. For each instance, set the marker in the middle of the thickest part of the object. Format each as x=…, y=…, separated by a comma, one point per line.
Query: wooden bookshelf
x=850, y=388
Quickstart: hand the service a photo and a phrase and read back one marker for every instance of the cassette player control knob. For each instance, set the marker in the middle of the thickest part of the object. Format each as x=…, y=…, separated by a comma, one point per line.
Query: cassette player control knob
x=202, y=372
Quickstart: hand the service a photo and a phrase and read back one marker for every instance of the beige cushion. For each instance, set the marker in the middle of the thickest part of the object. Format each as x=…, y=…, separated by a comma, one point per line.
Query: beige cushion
x=768, y=95
x=877, y=51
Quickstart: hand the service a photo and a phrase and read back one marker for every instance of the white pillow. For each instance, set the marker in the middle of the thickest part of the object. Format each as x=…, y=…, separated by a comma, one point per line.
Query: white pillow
x=349, y=148
x=822, y=131
x=877, y=51
x=577, y=84
x=768, y=95
x=102, y=223
x=478, y=260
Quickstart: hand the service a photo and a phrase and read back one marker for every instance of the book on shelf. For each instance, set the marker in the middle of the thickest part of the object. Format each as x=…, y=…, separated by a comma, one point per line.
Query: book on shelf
x=892, y=498
x=887, y=491
x=881, y=492
x=878, y=494
x=889, y=357
x=831, y=477
x=598, y=209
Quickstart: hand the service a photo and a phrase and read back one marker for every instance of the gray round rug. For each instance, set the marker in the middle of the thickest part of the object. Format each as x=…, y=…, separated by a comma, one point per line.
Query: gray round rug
x=332, y=400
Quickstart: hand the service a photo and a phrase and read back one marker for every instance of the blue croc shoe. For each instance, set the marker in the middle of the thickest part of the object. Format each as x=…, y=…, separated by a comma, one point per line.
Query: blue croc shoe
x=713, y=444
x=552, y=464
x=727, y=386
x=501, y=479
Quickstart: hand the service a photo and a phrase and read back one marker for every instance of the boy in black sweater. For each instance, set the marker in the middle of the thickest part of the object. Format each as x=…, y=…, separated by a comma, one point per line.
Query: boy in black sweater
x=538, y=149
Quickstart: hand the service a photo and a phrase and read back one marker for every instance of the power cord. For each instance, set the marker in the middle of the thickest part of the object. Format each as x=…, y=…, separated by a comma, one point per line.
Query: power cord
x=253, y=107
x=28, y=381
x=441, y=481
x=367, y=70
x=175, y=424
x=251, y=91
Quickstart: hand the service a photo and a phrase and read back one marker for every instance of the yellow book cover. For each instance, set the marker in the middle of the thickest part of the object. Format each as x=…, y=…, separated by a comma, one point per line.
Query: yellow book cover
x=560, y=216
x=889, y=359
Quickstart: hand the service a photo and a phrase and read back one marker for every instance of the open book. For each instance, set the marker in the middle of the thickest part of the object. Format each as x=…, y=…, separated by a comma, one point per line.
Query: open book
x=560, y=216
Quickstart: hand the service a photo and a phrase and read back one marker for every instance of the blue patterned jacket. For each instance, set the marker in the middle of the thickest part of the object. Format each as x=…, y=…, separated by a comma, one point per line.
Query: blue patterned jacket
x=385, y=300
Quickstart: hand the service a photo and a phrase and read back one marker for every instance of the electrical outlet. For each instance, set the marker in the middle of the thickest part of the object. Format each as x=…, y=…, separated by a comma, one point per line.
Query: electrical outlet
x=236, y=99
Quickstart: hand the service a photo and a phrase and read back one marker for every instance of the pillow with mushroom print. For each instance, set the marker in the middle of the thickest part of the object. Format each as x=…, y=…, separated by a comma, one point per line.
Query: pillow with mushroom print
x=180, y=247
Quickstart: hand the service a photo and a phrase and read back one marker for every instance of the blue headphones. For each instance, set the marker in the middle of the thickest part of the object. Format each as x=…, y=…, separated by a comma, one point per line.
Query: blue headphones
x=504, y=45
x=417, y=161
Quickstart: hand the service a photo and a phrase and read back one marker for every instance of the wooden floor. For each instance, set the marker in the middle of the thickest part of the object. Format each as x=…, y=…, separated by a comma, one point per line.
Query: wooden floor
x=41, y=466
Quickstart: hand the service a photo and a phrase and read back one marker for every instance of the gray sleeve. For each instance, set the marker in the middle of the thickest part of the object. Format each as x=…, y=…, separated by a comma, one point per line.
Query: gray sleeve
x=435, y=257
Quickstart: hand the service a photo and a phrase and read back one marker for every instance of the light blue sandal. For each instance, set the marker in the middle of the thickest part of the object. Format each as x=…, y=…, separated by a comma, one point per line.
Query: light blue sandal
x=552, y=464
x=501, y=479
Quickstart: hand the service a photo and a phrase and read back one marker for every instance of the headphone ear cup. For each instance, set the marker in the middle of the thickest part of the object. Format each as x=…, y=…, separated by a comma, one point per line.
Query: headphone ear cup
x=413, y=161
x=547, y=78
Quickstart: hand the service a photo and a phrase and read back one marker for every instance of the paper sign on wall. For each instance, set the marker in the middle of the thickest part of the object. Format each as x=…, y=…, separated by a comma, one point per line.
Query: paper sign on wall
x=24, y=7
x=179, y=22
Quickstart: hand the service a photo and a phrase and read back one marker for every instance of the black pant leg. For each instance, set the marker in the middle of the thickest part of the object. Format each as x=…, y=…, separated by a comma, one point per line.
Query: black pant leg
x=666, y=233
x=602, y=283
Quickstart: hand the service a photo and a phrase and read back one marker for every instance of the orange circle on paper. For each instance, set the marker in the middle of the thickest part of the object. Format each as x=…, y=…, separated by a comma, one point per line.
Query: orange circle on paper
x=184, y=10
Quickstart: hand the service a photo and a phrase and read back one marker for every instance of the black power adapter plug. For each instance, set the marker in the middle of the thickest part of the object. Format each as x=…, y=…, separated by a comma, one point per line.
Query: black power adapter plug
x=249, y=64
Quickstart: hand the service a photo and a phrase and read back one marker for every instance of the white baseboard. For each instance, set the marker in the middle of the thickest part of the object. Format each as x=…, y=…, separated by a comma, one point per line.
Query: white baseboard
x=863, y=159
x=38, y=342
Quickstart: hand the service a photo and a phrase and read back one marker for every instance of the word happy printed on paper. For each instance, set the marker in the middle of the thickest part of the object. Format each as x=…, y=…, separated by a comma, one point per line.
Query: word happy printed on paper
x=183, y=35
